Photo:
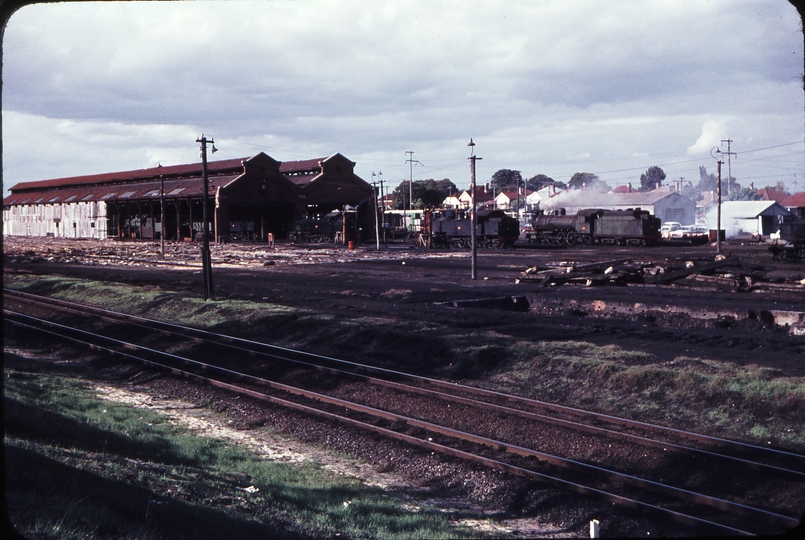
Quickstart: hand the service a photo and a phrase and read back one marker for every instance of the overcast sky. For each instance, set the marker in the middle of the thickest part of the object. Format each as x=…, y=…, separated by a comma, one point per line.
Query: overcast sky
x=542, y=86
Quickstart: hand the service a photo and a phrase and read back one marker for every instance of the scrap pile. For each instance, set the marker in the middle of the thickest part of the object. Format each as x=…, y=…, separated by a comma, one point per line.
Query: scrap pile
x=723, y=274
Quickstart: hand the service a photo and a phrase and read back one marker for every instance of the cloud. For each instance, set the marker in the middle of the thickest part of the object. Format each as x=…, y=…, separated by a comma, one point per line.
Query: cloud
x=712, y=133
x=531, y=82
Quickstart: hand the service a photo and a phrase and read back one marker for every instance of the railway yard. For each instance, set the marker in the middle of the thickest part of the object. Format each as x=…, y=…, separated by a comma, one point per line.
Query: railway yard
x=658, y=390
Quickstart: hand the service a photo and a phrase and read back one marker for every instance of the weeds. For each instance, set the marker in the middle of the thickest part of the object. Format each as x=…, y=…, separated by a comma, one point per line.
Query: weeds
x=78, y=467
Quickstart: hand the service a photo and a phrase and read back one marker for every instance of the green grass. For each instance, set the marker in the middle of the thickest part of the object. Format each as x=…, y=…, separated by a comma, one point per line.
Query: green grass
x=78, y=466
x=751, y=403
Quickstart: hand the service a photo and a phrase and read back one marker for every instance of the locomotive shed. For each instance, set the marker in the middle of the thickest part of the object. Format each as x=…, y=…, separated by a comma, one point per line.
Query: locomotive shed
x=407, y=284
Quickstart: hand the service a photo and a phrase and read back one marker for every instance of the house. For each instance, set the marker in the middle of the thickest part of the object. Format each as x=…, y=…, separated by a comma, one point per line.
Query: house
x=795, y=204
x=746, y=218
x=769, y=194
x=452, y=202
x=246, y=197
x=484, y=199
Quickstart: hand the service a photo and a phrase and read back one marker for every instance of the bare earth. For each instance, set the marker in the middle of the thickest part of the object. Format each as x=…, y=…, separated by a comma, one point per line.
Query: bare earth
x=407, y=283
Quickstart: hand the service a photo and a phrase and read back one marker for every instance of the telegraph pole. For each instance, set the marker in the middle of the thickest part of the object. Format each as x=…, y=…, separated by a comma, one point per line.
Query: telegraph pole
x=377, y=218
x=729, y=165
x=206, y=260
x=162, y=217
x=718, y=187
x=472, y=159
x=411, y=162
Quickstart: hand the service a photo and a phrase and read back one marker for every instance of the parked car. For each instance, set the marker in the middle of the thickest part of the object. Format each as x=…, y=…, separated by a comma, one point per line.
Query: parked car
x=694, y=233
x=668, y=227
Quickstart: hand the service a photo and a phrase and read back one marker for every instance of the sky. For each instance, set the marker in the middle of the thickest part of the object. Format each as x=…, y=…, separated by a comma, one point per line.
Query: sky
x=550, y=87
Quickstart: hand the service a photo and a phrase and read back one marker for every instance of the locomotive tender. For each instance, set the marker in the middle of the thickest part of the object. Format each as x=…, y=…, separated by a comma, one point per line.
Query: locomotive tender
x=596, y=226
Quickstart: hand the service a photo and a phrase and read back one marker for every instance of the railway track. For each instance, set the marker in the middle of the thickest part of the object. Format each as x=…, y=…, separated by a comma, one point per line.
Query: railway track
x=507, y=433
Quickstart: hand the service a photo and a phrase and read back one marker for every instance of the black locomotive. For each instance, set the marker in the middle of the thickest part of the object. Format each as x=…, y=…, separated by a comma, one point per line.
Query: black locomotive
x=452, y=228
x=595, y=226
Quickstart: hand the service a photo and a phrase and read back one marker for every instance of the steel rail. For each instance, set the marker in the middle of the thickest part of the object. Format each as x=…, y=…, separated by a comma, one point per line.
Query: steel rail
x=520, y=413
x=218, y=338
x=497, y=445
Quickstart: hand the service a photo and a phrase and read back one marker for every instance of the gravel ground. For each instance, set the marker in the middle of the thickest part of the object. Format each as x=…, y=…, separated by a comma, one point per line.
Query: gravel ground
x=415, y=285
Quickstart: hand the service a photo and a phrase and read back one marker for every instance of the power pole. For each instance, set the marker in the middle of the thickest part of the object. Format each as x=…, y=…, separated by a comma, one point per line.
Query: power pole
x=472, y=159
x=162, y=218
x=411, y=162
x=206, y=260
x=717, y=150
x=377, y=218
x=729, y=165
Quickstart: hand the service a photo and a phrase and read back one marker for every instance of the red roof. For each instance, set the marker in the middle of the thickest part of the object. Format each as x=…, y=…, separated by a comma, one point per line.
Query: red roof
x=769, y=194
x=149, y=190
x=214, y=167
x=797, y=200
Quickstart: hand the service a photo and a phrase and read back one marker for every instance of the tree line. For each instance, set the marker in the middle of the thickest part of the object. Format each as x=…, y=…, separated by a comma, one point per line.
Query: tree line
x=431, y=193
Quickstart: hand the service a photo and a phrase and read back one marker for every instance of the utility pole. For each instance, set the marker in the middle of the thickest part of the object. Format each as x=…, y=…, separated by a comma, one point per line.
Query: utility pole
x=729, y=165
x=206, y=260
x=162, y=218
x=411, y=162
x=377, y=219
x=472, y=159
x=718, y=187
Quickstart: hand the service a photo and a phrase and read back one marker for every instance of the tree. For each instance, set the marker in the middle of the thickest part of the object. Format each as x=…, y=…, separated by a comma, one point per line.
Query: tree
x=739, y=193
x=587, y=180
x=424, y=193
x=506, y=180
x=536, y=183
x=652, y=178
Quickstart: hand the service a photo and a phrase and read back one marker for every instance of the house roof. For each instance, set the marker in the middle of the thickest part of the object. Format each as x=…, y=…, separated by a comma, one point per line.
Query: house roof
x=769, y=194
x=797, y=200
x=708, y=198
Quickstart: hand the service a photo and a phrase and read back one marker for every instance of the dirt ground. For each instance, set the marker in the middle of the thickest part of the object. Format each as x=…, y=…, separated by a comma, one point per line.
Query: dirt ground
x=405, y=283
x=417, y=284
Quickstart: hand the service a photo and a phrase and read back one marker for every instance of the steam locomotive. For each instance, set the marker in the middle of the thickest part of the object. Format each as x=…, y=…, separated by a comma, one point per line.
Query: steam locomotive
x=451, y=228
x=595, y=226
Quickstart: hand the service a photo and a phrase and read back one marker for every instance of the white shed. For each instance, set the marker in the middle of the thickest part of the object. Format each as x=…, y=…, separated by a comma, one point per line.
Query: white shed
x=739, y=218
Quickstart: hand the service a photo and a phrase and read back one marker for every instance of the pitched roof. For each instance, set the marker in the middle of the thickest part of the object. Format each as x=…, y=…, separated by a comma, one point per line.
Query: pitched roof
x=150, y=190
x=797, y=200
x=192, y=169
x=769, y=194
x=752, y=209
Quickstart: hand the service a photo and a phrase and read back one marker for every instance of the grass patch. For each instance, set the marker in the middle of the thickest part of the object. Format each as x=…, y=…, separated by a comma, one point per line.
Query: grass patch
x=750, y=403
x=78, y=466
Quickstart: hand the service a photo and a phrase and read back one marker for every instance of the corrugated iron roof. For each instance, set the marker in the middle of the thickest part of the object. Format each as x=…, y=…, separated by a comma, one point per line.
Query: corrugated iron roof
x=174, y=188
x=213, y=168
x=301, y=165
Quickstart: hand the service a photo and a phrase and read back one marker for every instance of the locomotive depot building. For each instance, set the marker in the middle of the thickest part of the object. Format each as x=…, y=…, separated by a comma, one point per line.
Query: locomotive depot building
x=248, y=198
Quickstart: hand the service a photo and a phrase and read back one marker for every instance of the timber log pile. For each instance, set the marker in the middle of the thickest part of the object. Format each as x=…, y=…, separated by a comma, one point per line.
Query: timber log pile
x=723, y=274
